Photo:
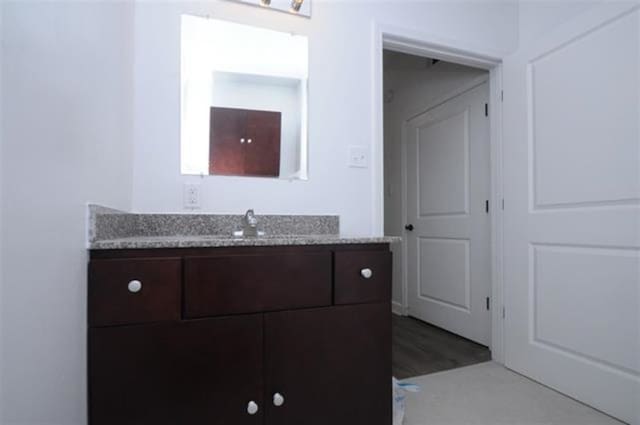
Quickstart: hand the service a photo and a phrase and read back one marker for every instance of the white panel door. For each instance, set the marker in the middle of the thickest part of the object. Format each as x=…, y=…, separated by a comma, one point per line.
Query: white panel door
x=448, y=186
x=572, y=209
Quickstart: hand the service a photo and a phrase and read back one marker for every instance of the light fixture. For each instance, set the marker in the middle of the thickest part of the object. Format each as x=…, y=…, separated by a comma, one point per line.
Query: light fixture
x=296, y=5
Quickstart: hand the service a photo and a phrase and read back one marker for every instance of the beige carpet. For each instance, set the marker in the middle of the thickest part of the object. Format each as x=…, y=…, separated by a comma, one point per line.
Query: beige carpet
x=489, y=394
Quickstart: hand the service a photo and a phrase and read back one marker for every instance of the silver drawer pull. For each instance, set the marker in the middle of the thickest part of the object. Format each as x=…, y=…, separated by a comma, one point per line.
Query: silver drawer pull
x=278, y=399
x=134, y=286
x=252, y=408
x=366, y=273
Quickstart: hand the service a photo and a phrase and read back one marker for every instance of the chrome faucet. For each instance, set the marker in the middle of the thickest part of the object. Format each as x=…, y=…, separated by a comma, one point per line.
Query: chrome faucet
x=250, y=224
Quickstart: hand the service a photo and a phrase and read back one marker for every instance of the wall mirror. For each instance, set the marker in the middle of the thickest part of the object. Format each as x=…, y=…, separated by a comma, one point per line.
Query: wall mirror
x=244, y=100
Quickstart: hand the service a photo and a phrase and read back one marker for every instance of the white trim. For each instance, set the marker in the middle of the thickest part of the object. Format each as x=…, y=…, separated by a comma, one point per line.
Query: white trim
x=404, y=201
x=421, y=43
x=429, y=45
x=377, y=147
x=397, y=308
x=497, y=215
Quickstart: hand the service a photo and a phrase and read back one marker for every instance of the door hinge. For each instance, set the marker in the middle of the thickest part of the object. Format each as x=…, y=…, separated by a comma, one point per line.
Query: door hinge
x=488, y=303
x=503, y=204
x=502, y=95
x=486, y=109
x=503, y=314
x=486, y=206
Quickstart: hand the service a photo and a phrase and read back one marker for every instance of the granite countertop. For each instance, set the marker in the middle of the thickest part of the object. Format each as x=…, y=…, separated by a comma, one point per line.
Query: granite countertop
x=210, y=241
x=114, y=229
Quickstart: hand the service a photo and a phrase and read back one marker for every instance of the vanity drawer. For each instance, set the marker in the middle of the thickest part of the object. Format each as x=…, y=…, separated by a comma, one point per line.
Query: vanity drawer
x=132, y=291
x=253, y=283
x=362, y=277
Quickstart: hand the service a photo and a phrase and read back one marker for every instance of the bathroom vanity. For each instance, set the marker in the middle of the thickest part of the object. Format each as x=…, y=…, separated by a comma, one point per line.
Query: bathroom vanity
x=280, y=331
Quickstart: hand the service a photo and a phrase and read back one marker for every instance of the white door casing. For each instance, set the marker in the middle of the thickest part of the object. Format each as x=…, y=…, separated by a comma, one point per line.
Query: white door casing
x=572, y=209
x=448, y=185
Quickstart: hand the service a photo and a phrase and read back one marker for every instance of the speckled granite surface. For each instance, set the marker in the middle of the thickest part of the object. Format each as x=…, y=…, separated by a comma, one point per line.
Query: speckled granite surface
x=222, y=241
x=113, y=229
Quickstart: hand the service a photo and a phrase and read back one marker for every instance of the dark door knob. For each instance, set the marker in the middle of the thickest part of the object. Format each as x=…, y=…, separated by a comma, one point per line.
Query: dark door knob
x=409, y=227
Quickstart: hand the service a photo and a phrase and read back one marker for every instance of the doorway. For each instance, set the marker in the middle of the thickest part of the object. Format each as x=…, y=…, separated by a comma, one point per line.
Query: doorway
x=437, y=174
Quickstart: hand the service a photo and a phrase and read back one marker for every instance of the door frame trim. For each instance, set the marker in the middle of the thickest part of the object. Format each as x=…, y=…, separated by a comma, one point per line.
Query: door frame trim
x=418, y=43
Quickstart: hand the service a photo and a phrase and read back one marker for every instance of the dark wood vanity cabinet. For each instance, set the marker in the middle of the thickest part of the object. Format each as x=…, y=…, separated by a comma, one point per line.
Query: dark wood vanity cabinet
x=185, y=372
x=334, y=365
x=244, y=142
x=260, y=337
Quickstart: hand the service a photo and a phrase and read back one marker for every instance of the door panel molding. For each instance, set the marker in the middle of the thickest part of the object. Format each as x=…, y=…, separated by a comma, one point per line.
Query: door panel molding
x=431, y=156
x=554, y=137
x=465, y=306
x=604, y=309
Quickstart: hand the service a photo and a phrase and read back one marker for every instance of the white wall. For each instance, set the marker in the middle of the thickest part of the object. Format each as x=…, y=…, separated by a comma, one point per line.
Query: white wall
x=66, y=74
x=414, y=92
x=340, y=93
x=538, y=16
x=1, y=204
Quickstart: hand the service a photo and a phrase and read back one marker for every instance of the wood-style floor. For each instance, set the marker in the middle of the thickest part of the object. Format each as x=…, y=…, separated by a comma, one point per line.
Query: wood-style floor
x=420, y=348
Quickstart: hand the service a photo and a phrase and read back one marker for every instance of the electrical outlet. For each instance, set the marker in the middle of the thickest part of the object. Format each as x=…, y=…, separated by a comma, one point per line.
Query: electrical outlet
x=191, y=196
x=358, y=157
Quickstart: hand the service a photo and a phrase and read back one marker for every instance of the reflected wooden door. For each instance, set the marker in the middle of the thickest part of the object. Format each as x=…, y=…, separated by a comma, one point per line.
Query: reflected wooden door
x=227, y=139
x=244, y=142
x=262, y=155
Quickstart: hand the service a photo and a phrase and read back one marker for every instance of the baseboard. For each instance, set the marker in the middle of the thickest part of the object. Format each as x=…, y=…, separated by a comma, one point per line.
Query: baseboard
x=396, y=308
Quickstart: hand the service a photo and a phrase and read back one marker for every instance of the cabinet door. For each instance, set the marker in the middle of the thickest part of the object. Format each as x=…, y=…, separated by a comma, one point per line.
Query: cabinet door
x=227, y=141
x=331, y=366
x=197, y=372
x=263, y=153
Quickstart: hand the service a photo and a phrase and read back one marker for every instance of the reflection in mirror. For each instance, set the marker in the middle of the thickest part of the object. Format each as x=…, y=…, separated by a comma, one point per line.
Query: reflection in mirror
x=244, y=100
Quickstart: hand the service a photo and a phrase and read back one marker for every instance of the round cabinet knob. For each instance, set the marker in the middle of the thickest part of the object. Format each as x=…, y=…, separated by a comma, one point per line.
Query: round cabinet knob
x=249, y=141
x=278, y=399
x=134, y=286
x=252, y=408
x=241, y=140
x=366, y=273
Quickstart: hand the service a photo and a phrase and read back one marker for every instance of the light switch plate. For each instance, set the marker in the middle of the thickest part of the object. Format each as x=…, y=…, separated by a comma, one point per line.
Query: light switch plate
x=358, y=156
x=191, y=196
